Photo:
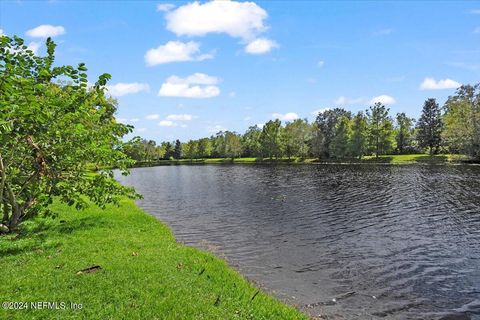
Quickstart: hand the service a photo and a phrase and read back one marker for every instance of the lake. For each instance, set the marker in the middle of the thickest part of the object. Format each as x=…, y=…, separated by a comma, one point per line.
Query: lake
x=342, y=241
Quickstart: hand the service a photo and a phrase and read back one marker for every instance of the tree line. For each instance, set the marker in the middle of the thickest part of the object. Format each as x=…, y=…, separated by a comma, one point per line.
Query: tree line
x=338, y=134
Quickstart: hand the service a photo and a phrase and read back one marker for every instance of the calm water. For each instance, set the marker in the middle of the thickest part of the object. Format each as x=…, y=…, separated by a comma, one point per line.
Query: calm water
x=346, y=242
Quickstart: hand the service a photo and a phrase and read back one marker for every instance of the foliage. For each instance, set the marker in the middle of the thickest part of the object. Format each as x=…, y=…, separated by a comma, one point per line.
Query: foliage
x=380, y=129
x=270, y=139
x=429, y=126
x=177, y=151
x=358, y=141
x=404, y=134
x=462, y=121
x=52, y=132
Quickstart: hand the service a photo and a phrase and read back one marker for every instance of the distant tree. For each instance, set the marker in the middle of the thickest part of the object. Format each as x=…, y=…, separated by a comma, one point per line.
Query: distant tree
x=339, y=146
x=204, y=148
x=429, y=126
x=317, y=142
x=404, y=133
x=296, y=137
x=251, y=142
x=168, y=150
x=53, y=128
x=190, y=149
x=326, y=124
x=270, y=139
x=462, y=121
x=380, y=129
x=358, y=140
x=177, y=152
x=233, y=145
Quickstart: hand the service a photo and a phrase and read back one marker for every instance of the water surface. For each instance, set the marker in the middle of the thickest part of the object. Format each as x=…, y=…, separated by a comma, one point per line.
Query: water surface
x=341, y=241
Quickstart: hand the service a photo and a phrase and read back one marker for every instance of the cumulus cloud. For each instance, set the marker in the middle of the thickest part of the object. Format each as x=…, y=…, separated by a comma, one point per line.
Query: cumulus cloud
x=45, y=31
x=238, y=19
x=320, y=63
x=243, y=20
x=179, y=117
x=167, y=123
x=197, y=85
x=260, y=46
x=175, y=51
x=285, y=117
x=1, y=32
x=475, y=11
x=152, y=117
x=165, y=7
x=432, y=84
x=383, y=99
x=121, y=89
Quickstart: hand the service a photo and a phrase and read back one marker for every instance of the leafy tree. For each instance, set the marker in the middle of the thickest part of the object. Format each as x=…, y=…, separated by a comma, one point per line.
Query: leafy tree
x=380, y=129
x=339, y=146
x=233, y=145
x=168, y=150
x=190, y=149
x=251, y=142
x=429, y=126
x=270, y=139
x=204, y=148
x=177, y=152
x=462, y=121
x=296, y=137
x=404, y=133
x=52, y=132
x=326, y=123
x=359, y=135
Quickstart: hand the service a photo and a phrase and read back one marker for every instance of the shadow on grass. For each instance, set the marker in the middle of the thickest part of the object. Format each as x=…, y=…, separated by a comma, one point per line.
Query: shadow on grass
x=43, y=234
x=434, y=158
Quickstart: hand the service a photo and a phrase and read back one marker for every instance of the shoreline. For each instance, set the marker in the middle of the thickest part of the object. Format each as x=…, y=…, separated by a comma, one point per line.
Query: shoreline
x=123, y=262
x=410, y=159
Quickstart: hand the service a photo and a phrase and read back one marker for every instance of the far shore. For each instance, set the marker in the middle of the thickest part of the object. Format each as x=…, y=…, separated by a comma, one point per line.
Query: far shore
x=395, y=159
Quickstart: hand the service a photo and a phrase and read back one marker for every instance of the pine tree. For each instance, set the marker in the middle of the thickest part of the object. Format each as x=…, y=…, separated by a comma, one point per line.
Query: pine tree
x=177, y=152
x=429, y=126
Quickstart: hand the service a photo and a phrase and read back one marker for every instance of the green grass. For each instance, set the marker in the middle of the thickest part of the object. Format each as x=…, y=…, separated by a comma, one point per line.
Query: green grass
x=145, y=273
x=392, y=159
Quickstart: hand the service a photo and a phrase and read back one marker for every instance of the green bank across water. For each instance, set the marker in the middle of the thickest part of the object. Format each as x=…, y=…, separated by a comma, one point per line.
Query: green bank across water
x=389, y=159
x=143, y=272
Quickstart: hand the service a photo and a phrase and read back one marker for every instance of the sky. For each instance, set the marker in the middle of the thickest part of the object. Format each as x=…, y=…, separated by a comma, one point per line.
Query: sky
x=190, y=69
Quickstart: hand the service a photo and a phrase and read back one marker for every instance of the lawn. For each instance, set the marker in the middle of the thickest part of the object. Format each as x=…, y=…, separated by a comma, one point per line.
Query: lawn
x=144, y=273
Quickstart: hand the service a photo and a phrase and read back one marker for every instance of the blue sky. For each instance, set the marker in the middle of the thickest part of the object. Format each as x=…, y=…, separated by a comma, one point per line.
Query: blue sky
x=188, y=69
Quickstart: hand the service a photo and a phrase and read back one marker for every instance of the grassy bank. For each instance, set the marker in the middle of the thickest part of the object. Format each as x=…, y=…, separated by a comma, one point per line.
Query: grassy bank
x=144, y=274
x=392, y=159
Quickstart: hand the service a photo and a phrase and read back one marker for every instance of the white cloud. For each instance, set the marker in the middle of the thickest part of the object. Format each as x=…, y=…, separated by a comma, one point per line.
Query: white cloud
x=165, y=7
x=152, y=117
x=141, y=129
x=432, y=84
x=34, y=46
x=122, y=120
x=316, y=112
x=45, y=31
x=476, y=30
x=232, y=94
x=121, y=89
x=342, y=100
x=260, y=125
x=247, y=118
x=175, y=51
x=320, y=63
x=197, y=85
x=242, y=20
x=1, y=32
x=261, y=46
x=167, y=123
x=179, y=117
x=383, y=99
x=285, y=117
x=133, y=120
x=475, y=11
